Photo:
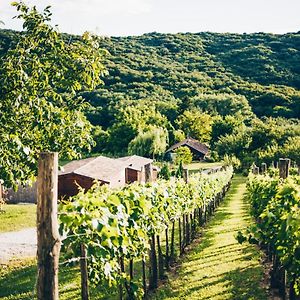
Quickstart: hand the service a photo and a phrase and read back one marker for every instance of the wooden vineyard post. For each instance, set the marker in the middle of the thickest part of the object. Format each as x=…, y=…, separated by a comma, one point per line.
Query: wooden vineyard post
x=144, y=276
x=284, y=165
x=167, y=256
x=172, y=251
x=148, y=173
x=263, y=168
x=84, y=273
x=255, y=170
x=186, y=175
x=153, y=280
x=180, y=237
x=48, y=239
x=160, y=259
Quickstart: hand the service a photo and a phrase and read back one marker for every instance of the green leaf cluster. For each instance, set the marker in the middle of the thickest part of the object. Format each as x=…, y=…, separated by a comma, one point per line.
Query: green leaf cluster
x=115, y=224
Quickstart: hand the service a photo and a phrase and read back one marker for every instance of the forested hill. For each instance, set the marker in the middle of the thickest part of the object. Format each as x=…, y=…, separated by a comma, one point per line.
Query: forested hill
x=264, y=68
x=169, y=81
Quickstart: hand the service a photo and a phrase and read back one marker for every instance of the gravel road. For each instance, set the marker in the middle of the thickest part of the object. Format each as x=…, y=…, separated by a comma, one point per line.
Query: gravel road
x=17, y=244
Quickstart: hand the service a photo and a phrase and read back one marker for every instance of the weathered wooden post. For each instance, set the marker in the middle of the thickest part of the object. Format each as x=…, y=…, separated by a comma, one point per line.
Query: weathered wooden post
x=284, y=165
x=148, y=173
x=255, y=170
x=153, y=280
x=185, y=175
x=48, y=238
x=263, y=168
x=84, y=273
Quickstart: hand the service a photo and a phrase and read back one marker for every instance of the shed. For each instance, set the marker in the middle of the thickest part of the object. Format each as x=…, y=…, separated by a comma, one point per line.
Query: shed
x=198, y=149
x=135, y=168
x=85, y=171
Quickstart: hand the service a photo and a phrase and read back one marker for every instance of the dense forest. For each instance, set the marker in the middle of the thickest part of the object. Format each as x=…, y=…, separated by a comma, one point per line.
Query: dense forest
x=239, y=93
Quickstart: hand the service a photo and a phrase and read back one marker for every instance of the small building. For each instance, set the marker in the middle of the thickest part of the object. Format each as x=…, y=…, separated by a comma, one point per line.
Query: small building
x=114, y=172
x=135, y=168
x=85, y=172
x=198, y=149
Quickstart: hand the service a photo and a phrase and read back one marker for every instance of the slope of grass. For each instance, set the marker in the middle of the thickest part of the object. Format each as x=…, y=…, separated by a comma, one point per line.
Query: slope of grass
x=17, y=217
x=218, y=267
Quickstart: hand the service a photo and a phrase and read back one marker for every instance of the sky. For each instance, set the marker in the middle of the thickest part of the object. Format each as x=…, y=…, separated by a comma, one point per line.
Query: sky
x=135, y=17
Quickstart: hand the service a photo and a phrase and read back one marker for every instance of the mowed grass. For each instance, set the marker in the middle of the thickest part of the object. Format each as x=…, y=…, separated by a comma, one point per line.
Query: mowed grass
x=17, y=216
x=218, y=267
x=18, y=281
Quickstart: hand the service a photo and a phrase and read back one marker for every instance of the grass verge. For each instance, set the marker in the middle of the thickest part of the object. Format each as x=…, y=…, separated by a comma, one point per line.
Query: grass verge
x=17, y=216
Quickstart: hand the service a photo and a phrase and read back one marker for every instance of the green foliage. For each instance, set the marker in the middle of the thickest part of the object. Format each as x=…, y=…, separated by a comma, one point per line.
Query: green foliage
x=225, y=126
x=275, y=204
x=133, y=120
x=149, y=143
x=40, y=77
x=179, y=171
x=196, y=124
x=164, y=172
x=116, y=224
x=232, y=161
x=184, y=155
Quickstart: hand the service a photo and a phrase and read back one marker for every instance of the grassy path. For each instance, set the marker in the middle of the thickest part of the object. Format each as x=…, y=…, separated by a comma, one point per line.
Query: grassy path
x=218, y=267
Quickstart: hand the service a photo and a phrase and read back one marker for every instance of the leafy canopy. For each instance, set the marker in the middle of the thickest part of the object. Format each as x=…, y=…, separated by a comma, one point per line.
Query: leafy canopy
x=40, y=78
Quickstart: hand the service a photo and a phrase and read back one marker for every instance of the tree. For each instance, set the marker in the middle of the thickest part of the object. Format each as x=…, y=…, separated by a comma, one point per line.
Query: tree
x=149, y=143
x=131, y=121
x=184, y=155
x=39, y=81
x=196, y=124
x=223, y=126
x=291, y=149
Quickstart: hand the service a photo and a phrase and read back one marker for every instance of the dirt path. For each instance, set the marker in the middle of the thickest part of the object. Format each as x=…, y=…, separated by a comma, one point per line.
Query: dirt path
x=218, y=267
x=17, y=244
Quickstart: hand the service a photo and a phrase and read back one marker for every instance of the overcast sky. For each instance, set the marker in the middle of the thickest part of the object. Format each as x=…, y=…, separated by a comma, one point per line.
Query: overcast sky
x=134, y=17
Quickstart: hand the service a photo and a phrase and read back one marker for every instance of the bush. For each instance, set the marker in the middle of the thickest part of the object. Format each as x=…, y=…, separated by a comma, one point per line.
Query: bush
x=184, y=155
x=165, y=172
x=231, y=160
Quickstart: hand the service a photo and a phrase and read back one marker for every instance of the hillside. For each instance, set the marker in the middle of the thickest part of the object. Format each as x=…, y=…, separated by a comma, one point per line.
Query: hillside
x=165, y=75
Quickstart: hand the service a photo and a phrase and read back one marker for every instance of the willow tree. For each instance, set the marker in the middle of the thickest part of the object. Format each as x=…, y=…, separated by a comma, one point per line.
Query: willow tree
x=152, y=142
x=39, y=83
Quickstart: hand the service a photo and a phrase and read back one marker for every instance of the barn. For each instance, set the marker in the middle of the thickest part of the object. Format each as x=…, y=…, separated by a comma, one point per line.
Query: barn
x=199, y=150
x=85, y=171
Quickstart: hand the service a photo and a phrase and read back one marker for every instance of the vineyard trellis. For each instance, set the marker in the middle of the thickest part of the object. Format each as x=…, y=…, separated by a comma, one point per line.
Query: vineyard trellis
x=113, y=231
x=274, y=195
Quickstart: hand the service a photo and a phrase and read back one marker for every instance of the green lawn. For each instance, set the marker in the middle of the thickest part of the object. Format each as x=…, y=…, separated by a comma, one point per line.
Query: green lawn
x=17, y=217
x=218, y=267
x=17, y=282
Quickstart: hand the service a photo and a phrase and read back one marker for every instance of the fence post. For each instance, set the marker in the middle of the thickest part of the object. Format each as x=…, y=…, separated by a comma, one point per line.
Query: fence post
x=255, y=170
x=48, y=239
x=186, y=175
x=284, y=165
x=263, y=168
x=148, y=173
x=84, y=273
